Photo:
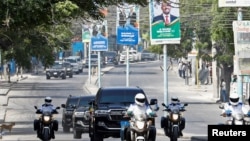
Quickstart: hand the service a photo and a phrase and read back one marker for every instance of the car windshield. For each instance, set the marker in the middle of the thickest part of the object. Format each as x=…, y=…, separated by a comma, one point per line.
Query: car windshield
x=110, y=53
x=84, y=102
x=94, y=56
x=71, y=102
x=71, y=60
x=146, y=51
x=57, y=66
x=118, y=96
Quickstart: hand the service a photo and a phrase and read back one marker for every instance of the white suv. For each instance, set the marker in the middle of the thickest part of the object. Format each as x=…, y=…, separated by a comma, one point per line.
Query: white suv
x=76, y=62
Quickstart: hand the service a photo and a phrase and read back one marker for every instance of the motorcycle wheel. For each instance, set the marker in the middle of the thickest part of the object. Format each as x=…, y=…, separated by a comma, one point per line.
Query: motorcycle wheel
x=174, y=134
x=46, y=136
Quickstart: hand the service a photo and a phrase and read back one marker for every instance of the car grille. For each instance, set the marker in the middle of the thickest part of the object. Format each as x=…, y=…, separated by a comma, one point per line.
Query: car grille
x=116, y=114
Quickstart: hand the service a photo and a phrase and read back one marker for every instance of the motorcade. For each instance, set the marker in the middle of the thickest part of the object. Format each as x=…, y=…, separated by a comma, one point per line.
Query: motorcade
x=68, y=108
x=81, y=116
x=57, y=70
x=109, y=107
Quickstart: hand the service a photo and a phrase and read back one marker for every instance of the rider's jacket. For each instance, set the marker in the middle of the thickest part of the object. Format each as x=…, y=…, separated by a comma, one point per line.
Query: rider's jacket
x=139, y=109
x=47, y=107
x=240, y=108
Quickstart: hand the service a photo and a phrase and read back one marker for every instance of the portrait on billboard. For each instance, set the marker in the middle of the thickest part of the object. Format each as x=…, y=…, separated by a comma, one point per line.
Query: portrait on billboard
x=165, y=15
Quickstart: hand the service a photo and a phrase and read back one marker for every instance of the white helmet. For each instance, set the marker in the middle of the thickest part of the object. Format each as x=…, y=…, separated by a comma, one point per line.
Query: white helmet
x=234, y=99
x=140, y=99
x=48, y=100
x=174, y=100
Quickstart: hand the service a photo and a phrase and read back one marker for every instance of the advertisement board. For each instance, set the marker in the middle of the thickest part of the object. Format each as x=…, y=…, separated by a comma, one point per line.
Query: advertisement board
x=164, y=22
x=241, y=41
x=127, y=24
x=234, y=3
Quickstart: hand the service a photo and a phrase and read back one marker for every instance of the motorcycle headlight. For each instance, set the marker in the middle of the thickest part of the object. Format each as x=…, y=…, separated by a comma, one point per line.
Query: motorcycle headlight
x=140, y=124
x=175, y=116
x=46, y=118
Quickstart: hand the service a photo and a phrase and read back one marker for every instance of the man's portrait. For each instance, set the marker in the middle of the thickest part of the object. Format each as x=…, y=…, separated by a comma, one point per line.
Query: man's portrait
x=166, y=15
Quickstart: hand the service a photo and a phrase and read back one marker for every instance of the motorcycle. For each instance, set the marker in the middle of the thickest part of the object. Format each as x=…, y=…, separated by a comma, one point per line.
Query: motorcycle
x=174, y=122
x=235, y=119
x=46, y=125
x=140, y=128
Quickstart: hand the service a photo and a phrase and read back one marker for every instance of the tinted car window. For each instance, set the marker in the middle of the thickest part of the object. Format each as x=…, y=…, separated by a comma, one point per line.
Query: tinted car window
x=57, y=66
x=84, y=101
x=71, y=102
x=117, y=96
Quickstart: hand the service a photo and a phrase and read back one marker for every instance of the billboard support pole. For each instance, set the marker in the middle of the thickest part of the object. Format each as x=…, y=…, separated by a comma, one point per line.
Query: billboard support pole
x=239, y=77
x=165, y=64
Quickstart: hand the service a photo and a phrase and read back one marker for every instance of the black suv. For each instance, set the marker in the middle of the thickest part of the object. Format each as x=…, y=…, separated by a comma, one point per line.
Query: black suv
x=111, y=57
x=57, y=70
x=81, y=116
x=68, y=109
x=109, y=107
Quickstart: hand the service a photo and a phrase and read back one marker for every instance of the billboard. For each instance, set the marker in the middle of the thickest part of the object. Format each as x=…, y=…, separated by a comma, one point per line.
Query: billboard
x=164, y=22
x=99, y=39
x=127, y=25
x=241, y=41
x=234, y=3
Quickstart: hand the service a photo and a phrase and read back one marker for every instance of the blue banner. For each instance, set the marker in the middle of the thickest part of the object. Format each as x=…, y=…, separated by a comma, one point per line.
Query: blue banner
x=127, y=35
x=99, y=43
x=127, y=24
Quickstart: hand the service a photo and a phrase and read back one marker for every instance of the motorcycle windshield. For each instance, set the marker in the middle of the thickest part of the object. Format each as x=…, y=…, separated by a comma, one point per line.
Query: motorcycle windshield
x=140, y=116
x=47, y=110
x=175, y=109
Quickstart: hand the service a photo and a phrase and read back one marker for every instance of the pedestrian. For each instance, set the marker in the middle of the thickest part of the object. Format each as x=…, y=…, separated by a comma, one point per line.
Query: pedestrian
x=8, y=70
x=223, y=90
x=184, y=69
x=180, y=68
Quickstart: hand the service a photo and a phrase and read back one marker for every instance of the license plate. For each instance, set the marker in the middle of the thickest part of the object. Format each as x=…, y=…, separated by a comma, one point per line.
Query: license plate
x=55, y=73
x=115, y=112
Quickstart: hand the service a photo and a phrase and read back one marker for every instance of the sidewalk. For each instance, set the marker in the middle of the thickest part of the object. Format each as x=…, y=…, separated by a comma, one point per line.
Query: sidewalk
x=5, y=86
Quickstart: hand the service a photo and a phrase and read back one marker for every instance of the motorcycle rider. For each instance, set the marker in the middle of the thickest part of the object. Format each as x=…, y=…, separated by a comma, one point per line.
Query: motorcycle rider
x=234, y=106
x=46, y=106
x=140, y=107
x=164, y=120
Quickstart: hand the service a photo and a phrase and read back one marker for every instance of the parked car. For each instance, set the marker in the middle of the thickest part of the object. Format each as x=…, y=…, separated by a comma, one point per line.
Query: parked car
x=81, y=116
x=123, y=57
x=111, y=57
x=57, y=70
x=147, y=55
x=109, y=107
x=67, y=113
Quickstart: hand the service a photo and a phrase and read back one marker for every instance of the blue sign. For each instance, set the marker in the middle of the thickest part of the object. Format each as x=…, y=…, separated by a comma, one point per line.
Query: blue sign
x=99, y=43
x=127, y=35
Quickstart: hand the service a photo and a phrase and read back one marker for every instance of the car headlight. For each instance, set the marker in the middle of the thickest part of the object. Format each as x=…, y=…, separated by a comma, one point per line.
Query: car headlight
x=79, y=114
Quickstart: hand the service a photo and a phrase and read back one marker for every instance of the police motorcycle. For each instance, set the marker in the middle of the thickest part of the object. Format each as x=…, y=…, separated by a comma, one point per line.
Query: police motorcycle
x=174, y=122
x=236, y=118
x=139, y=126
x=46, y=124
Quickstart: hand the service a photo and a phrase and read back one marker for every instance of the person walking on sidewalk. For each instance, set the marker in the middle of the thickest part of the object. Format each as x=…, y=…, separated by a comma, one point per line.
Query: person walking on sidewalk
x=223, y=90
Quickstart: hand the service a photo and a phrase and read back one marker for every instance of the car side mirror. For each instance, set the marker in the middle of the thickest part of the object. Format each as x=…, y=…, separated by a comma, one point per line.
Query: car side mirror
x=63, y=105
x=57, y=108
